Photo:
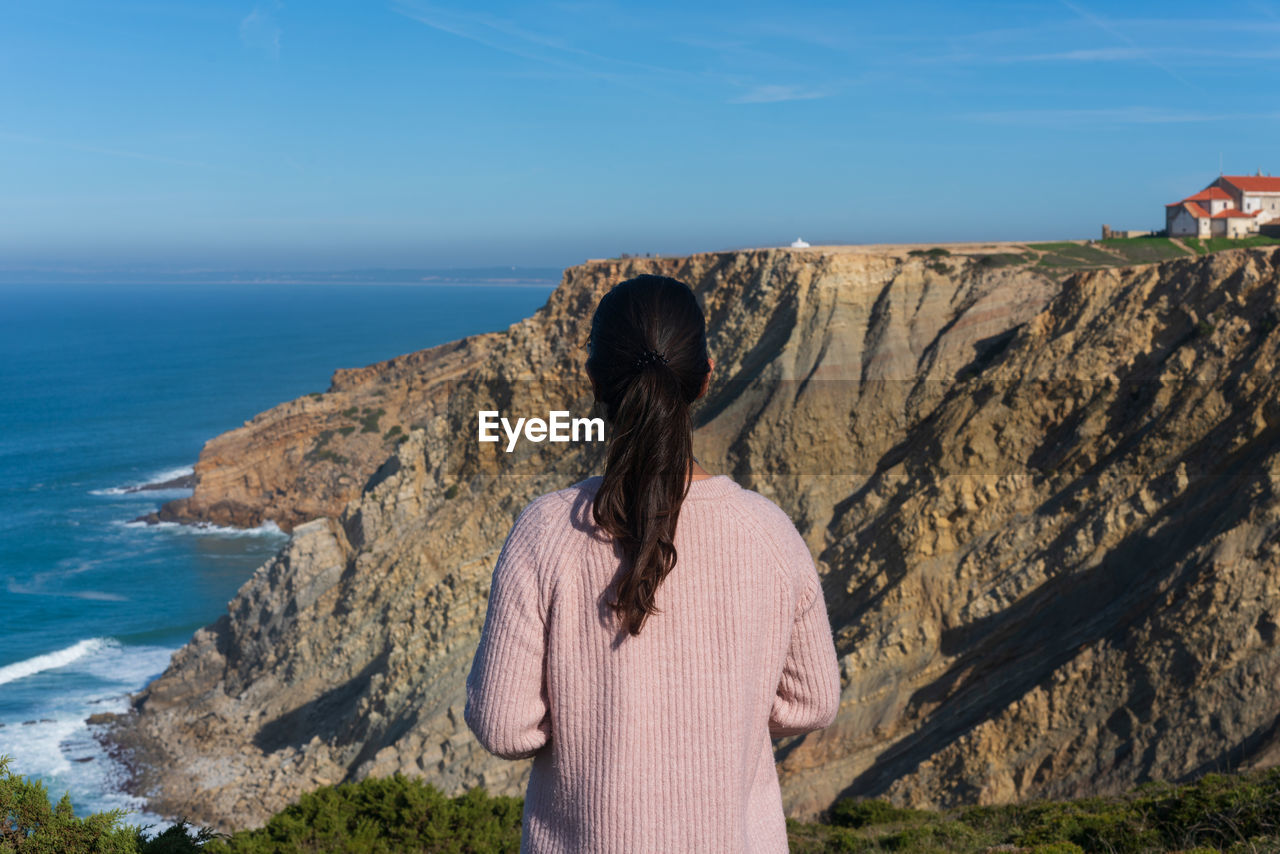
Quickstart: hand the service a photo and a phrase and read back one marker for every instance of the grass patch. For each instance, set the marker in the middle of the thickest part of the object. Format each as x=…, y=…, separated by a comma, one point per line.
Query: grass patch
x=392, y=433
x=1120, y=251
x=935, y=252
x=1144, y=250
x=1203, y=246
x=1073, y=255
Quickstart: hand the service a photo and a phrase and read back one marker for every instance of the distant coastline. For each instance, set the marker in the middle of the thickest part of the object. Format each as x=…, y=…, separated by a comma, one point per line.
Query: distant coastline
x=540, y=277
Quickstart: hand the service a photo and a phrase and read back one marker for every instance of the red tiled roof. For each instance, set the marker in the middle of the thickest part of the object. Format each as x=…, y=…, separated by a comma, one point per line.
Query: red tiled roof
x=1196, y=210
x=1254, y=183
x=1209, y=193
x=1232, y=212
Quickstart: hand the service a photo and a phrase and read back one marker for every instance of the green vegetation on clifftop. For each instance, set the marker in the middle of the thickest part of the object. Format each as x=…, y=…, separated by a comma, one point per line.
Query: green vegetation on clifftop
x=1217, y=813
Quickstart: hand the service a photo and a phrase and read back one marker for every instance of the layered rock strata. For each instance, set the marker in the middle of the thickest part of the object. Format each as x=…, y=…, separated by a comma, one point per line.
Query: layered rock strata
x=1045, y=515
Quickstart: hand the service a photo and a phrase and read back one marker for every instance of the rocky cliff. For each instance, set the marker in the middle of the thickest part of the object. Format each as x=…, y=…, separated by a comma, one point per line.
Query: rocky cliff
x=1044, y=511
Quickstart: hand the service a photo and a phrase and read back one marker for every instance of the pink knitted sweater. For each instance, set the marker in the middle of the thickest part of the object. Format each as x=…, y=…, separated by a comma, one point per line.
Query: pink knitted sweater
x=660, y=742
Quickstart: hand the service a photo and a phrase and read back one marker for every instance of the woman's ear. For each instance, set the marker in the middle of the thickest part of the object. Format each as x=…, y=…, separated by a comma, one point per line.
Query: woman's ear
x=706, y=381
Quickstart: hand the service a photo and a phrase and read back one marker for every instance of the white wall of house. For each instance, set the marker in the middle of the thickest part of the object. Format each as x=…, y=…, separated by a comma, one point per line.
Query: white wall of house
x=1268, y=203
x=1232, y=226
x=1183, y=224
x=1186, y=225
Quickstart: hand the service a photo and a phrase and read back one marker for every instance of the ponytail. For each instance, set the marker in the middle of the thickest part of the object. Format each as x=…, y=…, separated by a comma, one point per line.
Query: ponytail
x=648, y=363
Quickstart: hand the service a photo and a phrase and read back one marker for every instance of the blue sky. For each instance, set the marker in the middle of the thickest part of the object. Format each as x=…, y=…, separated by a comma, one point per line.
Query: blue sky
x=326, y=135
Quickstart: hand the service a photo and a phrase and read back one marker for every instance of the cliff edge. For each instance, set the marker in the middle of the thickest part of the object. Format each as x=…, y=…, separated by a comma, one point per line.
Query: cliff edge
x=1044, y=512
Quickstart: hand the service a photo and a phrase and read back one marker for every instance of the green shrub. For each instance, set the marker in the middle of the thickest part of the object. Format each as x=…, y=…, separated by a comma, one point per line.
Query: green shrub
x=856, y=812
x=369, y=420
x=995, y=260
x=30, y=824
x=385, y=815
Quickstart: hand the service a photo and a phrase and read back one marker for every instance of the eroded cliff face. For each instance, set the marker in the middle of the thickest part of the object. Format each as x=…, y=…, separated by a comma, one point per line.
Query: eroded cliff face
x=1068, y=581
x=1045, y=578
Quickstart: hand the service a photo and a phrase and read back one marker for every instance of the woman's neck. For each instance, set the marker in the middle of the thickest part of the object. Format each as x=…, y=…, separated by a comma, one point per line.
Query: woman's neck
x=697, y=472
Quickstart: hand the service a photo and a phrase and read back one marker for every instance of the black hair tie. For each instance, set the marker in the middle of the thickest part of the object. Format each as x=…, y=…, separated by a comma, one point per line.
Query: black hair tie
x=650, y=357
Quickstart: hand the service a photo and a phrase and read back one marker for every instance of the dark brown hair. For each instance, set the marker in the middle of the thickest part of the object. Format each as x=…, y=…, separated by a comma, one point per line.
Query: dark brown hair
x=648, y=361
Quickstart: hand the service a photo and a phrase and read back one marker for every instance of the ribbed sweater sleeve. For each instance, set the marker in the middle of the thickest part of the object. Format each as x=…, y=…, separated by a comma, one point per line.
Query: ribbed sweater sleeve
x=507, y=704
x=808, y=695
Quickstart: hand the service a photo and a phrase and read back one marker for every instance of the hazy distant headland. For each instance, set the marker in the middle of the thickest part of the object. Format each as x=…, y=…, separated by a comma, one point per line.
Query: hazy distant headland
x=535, y=276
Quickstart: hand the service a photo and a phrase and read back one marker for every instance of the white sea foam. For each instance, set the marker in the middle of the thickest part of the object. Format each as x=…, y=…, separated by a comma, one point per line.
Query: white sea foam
x=267, y=528
x=171, y=474
x=51, y=660
x=57, y=746
x=133, y=490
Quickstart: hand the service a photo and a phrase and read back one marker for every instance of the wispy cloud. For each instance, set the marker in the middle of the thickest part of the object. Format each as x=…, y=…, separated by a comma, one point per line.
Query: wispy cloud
x=508, y=37
x=516, y=39
x=1171, y=45
x=774, y=93
x=1112, y=116
x=260, y=29
x=1109, y=28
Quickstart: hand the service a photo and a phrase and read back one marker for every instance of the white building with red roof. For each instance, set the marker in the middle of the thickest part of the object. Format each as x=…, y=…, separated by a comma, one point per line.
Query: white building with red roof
x=1232, y=206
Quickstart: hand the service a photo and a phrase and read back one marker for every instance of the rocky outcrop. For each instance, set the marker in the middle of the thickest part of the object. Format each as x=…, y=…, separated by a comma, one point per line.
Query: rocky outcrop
x=1044, y=513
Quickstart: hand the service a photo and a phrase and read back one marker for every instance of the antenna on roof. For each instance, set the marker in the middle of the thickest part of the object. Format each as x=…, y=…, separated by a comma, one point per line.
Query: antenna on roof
x=1219, y=164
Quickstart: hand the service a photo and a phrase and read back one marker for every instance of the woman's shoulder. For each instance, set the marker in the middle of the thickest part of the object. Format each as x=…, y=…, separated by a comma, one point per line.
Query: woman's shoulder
x=569, y=507
x=763, y=512
x=774, y=531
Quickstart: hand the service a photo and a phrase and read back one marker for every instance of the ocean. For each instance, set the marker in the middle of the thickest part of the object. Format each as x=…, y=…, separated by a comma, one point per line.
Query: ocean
x=111, y=386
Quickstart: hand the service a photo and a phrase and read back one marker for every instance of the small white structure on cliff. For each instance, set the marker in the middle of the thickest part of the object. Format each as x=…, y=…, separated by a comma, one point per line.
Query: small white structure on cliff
x=1232, y=206
x=799, y=243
